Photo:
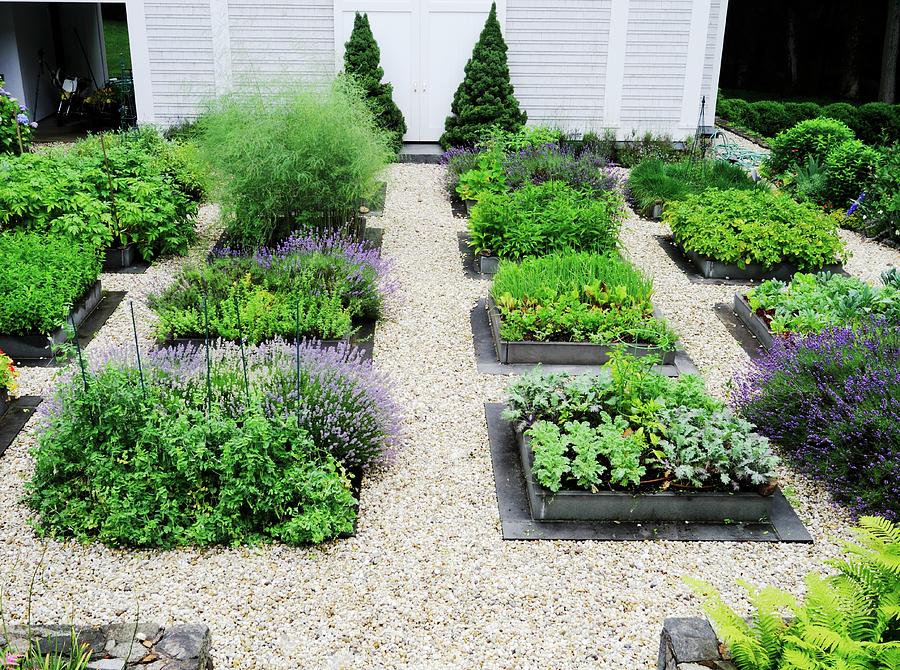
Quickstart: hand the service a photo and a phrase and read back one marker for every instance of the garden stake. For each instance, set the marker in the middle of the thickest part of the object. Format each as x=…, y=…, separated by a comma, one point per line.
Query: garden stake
x=78, y=348
x=137, y=349
x=237, y=311
x=297, y=356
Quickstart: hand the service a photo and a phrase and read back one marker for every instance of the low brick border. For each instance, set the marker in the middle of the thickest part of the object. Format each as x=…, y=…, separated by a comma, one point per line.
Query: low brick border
x=690, y=643
x=120, y=646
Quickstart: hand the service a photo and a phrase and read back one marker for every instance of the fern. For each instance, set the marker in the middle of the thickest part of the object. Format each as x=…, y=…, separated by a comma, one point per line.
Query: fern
x=850, y=621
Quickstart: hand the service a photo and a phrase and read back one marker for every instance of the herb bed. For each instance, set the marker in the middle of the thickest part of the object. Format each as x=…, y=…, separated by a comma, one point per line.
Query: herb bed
x=665, y=506
x=563, y=353
x=40, y=345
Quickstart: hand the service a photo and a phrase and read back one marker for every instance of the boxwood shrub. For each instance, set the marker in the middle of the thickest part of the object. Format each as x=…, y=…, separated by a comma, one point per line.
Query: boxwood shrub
x=540, y=218
x=41, y=278
x=655, y=182
x=769, y=117
x=765, y=227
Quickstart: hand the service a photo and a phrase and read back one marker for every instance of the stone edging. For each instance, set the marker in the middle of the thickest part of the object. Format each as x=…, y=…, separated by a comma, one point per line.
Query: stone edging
x=120, y=646
x=690, y=643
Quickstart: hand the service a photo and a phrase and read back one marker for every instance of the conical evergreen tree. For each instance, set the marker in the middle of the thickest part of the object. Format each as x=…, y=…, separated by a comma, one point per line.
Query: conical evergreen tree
x=485, y=98
x=362, y=59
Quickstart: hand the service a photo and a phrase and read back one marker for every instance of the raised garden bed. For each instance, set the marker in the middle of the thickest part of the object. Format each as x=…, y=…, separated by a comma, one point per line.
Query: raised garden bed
x=666, y=506
x=118, y=258
x=713, y=269
x=13, y=417
x=562, y=353
x=485, y=265
x=753, y=321
x=41, y=345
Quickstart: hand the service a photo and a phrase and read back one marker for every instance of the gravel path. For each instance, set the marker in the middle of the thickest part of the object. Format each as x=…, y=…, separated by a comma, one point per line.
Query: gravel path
x=427, y=582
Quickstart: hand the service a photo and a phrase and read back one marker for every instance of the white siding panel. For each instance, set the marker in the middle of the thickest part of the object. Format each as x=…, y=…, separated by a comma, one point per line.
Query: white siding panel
x=557, y=59
x=179, y=39
x=655, y=64
x=289, y=39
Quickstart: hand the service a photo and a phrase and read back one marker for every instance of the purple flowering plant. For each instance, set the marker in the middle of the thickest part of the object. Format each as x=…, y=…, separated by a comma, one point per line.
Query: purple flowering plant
x=16, y=129
x=830, y=400
x=184, y=452
x=311, y=285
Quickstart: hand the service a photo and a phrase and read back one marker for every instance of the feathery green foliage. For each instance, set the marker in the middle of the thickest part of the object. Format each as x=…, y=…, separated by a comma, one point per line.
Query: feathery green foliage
x=362, y=59
x=285, y=157
x=850, y=621
x=485, y=99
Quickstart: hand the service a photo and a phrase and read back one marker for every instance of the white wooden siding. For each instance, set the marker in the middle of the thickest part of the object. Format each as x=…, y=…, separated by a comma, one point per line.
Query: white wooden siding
x=557, y=59
x=290, y=39
x=655, y=64
x=182, y=71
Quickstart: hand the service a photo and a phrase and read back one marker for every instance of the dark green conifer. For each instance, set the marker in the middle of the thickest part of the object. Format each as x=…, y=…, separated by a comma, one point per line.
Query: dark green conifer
x=362, y=60
x=485, y=98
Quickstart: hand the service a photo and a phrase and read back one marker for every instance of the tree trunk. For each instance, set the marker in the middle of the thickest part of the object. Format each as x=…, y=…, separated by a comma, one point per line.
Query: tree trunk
x=849, y=66
x=792, y=48
x=888, y=87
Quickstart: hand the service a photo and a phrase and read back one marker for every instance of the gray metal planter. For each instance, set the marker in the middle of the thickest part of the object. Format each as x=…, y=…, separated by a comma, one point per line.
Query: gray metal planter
x=4, y=402
x=486, y=265
x=666, y=506
x=562, y=353
x=712, y=269
x=117, y=258
x=753, y=322
x=41, y=346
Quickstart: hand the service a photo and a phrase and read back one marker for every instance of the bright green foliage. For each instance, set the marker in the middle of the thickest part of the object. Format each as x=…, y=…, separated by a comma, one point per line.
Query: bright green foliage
x=765, y=227
x=146, y=465
x=770, y=117
x=362, y=61
x=485, y=99
x=810, y=303
x=505, y=141
x=541, y=218
x=42, y=277
x=880, y=210
x=631, y=425
x=283, y=159
x=848, y=169
x=486, y=177
x=577, y=297
x=808, y=138
x=655, y=182
x=314, y=295
x=848, y=621
x=155, y=188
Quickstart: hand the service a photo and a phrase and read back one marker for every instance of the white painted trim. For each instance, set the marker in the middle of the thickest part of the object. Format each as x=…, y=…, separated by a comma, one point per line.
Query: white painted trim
x=615, y=63
x=104, y=71
x=140, y=60
x=221, y=45
x=713, y=98
x=696, y=56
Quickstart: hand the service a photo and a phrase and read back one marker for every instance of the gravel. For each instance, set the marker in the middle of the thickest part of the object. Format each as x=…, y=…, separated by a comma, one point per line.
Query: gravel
x=427, y=582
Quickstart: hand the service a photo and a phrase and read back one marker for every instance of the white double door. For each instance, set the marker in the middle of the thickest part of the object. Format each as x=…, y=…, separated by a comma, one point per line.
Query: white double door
x=424, y=48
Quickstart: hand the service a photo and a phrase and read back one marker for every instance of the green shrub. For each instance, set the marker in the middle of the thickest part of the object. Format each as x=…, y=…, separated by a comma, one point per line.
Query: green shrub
x=577, y=297
x=846, y=620
x=765, y=227
x=541, y=218
x=362, y=59
x=42, y=277
x=485, y=99
x=811, y=303
x=801, y=111
x=197, y=448
x=308, y=286
x=848, y=169
x=635, y=149
x=808, y=138
x=876, y=123
x=16, y=128
x=285, y=158
x=840, y=111
x=155, y=185
x=738, y=112
x=634, y=427
x=655, y=182
x=769, y=117
x=880, y=209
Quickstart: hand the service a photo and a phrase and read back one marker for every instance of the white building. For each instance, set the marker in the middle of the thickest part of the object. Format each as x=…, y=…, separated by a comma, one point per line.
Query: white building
x=629, y=65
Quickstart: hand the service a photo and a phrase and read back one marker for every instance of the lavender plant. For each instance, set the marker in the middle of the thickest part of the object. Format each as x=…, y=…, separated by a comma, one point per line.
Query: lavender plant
x=830, y=401
x=165, y=456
